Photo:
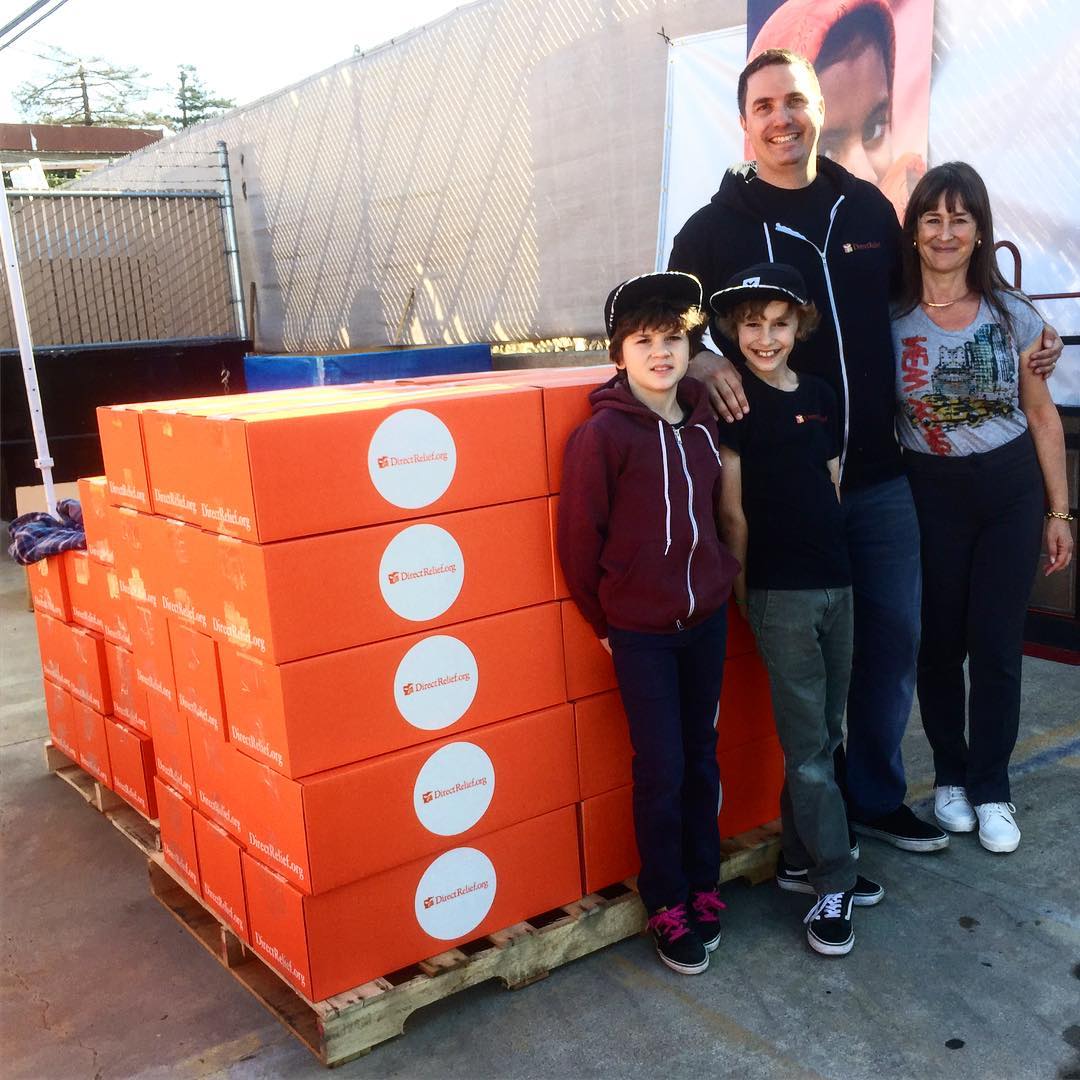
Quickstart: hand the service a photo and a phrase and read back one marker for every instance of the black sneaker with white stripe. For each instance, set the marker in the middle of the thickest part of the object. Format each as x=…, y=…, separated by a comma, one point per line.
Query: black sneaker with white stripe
x=828, y=924
x=866, y=893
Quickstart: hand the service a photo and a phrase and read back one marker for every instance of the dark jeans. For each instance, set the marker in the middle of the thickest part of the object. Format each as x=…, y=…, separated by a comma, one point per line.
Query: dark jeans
x=981, y=522
x=882, y=534
x=804, y=637
x=670, y=688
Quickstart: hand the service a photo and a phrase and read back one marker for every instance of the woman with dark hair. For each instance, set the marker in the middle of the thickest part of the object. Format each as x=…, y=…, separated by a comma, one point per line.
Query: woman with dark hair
x=984, y=446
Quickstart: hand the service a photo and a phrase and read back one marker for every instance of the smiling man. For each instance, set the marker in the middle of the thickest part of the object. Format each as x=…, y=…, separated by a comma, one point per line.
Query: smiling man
x=794, y=207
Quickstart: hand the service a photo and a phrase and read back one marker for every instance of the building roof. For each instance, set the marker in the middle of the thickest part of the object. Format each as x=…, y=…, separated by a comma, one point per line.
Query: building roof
x=74, y=139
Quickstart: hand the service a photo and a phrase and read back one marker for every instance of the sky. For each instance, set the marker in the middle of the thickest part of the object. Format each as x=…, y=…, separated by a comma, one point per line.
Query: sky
x=239, y=49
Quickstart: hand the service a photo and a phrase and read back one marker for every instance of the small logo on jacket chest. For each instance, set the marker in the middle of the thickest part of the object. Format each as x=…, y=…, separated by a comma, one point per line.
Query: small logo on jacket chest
x=802, y=418
x=866, y=245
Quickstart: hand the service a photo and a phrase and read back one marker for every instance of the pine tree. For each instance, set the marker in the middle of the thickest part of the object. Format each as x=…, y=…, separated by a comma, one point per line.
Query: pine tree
x=194, y=102
x=91, y=91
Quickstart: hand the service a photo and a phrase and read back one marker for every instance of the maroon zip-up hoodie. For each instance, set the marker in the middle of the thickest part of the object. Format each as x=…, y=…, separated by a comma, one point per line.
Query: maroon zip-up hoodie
x=637, y=514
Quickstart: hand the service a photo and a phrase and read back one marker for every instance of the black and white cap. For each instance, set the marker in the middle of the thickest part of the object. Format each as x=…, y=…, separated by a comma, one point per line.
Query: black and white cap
x=766, y=281
x=682, y=290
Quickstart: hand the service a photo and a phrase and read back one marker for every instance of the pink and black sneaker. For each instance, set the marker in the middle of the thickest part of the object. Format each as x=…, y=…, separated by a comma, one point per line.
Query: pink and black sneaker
x=677, y=942
x=704, y=910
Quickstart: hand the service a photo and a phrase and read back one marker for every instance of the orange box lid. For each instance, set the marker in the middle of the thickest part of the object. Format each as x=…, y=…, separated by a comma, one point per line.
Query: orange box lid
x=454, y=788
x=315, y=714
x=276, y=474
x=324, y=945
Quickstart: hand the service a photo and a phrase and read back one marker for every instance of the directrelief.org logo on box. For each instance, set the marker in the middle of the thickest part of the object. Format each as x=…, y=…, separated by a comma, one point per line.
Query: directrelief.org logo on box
x=412, y=458
x=436, y=682
x=421, y=572
x=455, y=893
x=454, y=789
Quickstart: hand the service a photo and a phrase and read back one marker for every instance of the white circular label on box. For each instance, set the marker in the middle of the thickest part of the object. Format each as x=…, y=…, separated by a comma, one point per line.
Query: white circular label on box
x=455, y=894
x=411, y=459
x=421, y=572
x=454, y=789
x=435, y=683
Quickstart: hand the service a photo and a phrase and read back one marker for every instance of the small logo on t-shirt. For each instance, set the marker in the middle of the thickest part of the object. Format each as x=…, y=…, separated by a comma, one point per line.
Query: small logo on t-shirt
x=866, y=245
x=801, y=418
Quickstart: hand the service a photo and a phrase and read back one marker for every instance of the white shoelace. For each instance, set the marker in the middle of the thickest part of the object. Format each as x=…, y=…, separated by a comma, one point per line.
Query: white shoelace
x=955, y=793
x=828, y=907
x=1000, y=809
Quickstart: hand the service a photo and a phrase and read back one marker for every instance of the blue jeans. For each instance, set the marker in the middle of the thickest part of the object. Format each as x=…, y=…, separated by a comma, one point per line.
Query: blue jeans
x=882, y=533
x=670, y=688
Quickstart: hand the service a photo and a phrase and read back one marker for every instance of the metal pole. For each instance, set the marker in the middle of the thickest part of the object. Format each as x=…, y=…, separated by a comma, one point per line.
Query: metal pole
x=232, y=250
x=26, y=350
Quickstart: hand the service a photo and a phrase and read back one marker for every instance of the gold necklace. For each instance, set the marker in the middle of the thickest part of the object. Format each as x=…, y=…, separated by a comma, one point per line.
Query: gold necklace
x=948, y=303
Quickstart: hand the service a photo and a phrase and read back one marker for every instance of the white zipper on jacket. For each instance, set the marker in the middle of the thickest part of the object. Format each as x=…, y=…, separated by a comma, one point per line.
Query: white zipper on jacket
x=667, y=494
x=768, y=240
x=693, y=522
x=822, y=254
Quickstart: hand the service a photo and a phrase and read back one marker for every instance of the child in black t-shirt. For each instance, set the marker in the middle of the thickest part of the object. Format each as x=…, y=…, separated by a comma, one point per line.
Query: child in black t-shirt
x=780, y=516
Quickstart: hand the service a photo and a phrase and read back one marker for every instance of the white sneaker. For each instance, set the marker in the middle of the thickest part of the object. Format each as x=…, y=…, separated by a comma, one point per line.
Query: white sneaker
x=997, y=829
x=952, y=809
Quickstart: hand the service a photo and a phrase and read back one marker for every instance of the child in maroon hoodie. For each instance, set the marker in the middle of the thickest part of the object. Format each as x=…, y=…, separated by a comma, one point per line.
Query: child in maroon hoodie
x=639, y=547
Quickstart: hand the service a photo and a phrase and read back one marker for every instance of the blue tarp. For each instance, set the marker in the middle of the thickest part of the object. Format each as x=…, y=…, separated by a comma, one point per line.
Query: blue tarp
x=284, y=372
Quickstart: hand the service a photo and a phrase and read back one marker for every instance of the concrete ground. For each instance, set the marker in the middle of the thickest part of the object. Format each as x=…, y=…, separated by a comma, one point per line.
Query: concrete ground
x=970, y=968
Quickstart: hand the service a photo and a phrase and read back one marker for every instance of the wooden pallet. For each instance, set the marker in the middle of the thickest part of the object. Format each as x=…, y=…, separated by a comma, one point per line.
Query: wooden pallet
x=350, y=1024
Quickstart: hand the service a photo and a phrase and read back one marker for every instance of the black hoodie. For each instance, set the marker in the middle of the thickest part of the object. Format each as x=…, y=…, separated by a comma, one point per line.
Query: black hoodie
x=637, y=530
x=850, y=278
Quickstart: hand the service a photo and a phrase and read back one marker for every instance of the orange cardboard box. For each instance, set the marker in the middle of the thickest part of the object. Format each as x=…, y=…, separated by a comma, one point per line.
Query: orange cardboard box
x=74, y=657
x=562, y=590
x=323, y=945
x=197, y=677
x=131, y=756
x=128, y=697
x=299, y=598
x=363, y=460
x=740, y=638
x=117, y=613
x=411, y=803
x=745, y=703
x=217, y=785
x=603, y=743
x=122, y=452
x=175, y=819
x=566, y=407
x=87, y=589
x=221, y=874
x=48, y=587
x=180, y=564
x=589, y=669
x=138, y=546
x=61, y=717
x=608, y=849
x=94, y=498
x=752, y=775
x=314, y=714
x=93, y=743
x=172, y=746
x=152, y=650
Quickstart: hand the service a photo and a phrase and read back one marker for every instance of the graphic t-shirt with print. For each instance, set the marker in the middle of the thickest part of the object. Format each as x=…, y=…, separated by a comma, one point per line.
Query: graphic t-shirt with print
x=958, y=391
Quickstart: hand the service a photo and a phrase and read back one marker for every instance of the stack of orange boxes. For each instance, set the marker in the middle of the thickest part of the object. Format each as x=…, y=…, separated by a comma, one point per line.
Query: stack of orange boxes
x=97, y=715
x=379, y=727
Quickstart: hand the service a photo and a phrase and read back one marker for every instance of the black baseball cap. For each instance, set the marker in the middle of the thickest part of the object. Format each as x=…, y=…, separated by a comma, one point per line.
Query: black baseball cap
x=766, y=281
x=682, y=290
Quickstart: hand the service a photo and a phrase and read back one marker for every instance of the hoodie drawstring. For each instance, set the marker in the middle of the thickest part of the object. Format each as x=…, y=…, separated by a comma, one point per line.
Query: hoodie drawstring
x=667, y=496
x=768, y=240
x=712, y=445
